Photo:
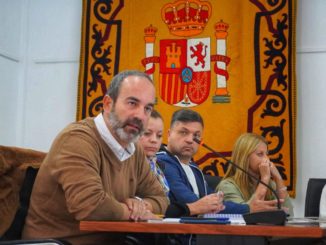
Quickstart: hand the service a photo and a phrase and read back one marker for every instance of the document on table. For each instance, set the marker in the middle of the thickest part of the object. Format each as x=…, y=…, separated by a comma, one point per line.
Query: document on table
x=165, y=220
x=210, y=218
x=306, y=220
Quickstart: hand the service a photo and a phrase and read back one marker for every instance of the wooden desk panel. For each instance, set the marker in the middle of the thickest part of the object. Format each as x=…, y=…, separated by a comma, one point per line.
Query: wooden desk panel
x=208, y=229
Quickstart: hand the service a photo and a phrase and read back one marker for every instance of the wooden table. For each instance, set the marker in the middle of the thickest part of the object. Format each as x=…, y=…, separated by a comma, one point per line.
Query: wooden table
x=210, y=232
x=312, y=231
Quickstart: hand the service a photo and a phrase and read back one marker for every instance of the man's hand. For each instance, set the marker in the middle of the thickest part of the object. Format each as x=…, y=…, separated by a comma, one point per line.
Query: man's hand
x=212, y=203
x=149, y=215
x=137, y=208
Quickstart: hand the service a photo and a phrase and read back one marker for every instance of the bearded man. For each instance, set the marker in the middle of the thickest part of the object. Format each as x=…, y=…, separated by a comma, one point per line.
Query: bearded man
x=95, y=170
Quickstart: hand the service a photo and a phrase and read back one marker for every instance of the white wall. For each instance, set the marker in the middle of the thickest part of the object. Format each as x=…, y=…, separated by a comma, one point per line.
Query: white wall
x=311, y=85
x=10, y=66
x=39, y=55
x=39, y=62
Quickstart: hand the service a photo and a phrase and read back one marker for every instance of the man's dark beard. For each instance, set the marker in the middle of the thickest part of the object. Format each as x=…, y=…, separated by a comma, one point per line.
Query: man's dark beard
x=118, y=127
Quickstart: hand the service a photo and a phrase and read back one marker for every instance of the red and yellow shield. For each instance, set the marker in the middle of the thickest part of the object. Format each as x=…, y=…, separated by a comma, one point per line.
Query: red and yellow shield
x=184, y=71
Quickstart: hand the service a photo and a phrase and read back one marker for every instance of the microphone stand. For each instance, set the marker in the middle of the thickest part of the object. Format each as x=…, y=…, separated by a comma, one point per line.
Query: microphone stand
x=275, y=217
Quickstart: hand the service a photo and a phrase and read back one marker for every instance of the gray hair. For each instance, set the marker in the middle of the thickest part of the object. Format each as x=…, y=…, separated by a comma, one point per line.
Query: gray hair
x=116, y=82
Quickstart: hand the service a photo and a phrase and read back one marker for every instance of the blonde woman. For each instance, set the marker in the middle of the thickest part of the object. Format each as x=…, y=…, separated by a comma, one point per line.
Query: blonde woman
x=250, y=152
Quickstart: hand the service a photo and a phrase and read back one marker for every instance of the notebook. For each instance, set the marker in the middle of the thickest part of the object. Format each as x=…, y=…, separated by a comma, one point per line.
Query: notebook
x=235, y=219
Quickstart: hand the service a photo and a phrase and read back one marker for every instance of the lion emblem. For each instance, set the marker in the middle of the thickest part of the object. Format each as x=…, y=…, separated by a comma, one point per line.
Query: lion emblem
x=198, y=53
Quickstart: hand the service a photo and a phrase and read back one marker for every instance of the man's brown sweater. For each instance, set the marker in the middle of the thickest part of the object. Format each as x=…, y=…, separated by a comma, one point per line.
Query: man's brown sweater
x=81, y=179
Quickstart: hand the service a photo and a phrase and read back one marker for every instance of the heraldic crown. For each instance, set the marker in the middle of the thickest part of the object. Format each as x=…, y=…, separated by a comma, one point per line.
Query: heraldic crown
x=186, y=17
x=150, y=32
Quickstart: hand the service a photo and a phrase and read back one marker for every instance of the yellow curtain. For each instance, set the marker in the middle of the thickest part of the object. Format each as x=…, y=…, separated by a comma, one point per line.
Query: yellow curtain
x=233, y=61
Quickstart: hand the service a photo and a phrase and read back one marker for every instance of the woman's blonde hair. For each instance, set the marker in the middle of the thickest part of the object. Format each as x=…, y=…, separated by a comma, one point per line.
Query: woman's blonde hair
x=245, y=145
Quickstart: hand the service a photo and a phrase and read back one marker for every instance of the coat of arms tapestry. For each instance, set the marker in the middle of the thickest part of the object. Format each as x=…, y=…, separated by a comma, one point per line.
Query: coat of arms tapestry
x=233, y=61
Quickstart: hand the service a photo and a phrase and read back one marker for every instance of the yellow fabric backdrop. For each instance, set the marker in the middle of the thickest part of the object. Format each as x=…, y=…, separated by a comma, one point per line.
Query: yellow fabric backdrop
x=231, y=60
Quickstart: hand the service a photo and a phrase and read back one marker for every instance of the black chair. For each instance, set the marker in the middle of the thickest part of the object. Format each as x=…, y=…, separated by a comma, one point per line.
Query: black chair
x=212, y=181
x=15, y=230
x=13, y=235
x=314, y=190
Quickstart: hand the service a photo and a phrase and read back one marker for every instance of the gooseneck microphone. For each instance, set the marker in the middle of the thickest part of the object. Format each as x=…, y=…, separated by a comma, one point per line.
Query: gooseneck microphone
x=275, y=217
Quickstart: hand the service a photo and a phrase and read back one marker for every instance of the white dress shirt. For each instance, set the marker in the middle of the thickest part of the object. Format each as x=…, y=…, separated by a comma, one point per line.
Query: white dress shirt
x=121, y=153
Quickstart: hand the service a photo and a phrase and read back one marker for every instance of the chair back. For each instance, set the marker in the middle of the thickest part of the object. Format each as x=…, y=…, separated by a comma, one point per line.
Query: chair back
x=212, y=181
x=18, y=168
x=314, y=189
x=16, y=227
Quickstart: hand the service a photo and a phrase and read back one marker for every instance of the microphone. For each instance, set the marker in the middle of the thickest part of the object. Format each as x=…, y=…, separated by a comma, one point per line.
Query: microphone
x=275, y=217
